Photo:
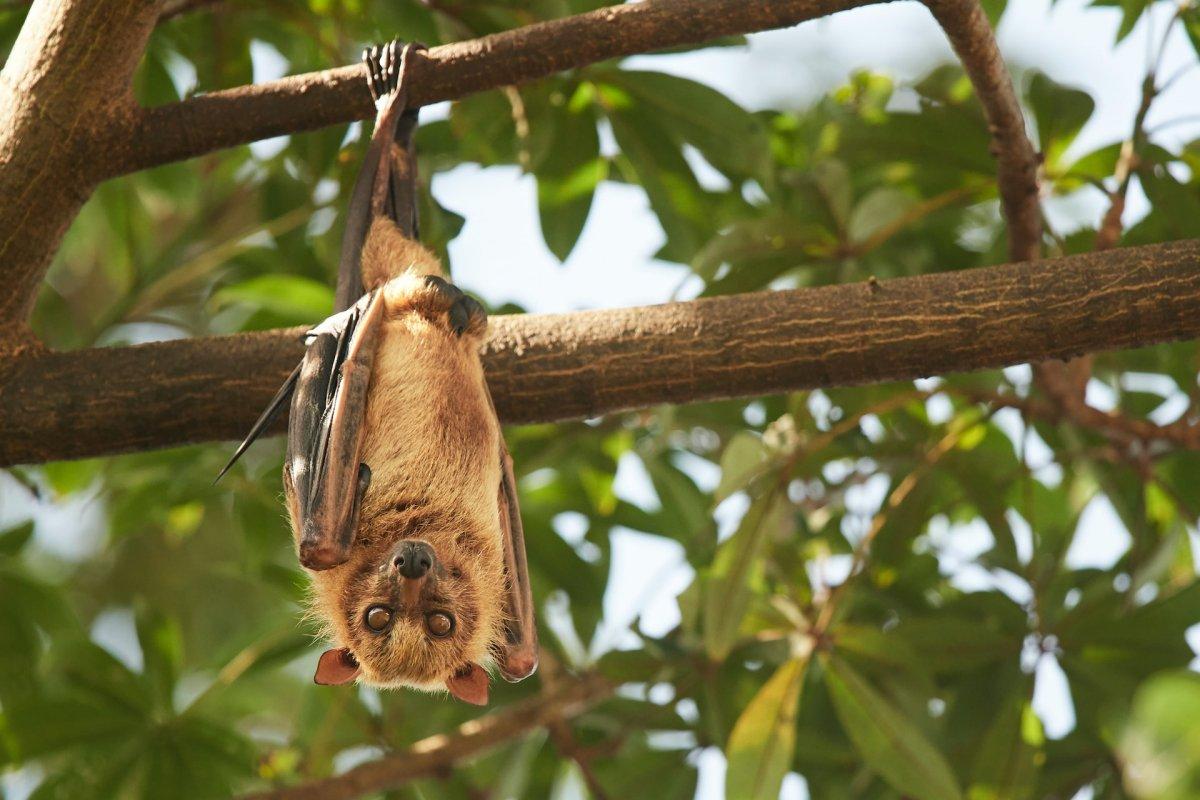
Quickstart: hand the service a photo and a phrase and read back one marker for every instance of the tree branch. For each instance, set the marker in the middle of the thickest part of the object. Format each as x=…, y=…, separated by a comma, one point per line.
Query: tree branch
x=572, y=366
x=437, y=753
x=58, y=90
x=297, y=103
x=971, y=37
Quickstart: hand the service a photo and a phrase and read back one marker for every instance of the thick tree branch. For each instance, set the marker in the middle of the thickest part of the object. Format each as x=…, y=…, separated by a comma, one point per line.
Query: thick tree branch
x=297, y=103
x=432, y=756
x=572, y=366
x=67, y=78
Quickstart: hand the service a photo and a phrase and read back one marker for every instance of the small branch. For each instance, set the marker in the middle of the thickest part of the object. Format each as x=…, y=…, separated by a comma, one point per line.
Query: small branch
x=1130, y=433
x=433, y=755
x=971, y=36
x=231, y=117
x=572, y=366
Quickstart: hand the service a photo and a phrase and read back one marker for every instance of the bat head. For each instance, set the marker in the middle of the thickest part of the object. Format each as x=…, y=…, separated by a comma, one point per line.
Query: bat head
x=424, y=610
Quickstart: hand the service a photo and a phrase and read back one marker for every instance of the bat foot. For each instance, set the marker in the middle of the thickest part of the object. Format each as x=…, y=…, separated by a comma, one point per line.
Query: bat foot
x=464, y=314
x=383, y=69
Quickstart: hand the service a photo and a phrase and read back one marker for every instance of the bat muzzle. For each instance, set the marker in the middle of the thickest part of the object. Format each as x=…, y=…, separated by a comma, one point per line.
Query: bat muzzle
x=413, y=559
x=413, y=562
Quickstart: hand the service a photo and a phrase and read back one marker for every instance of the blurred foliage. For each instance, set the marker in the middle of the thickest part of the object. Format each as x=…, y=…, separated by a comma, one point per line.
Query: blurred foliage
x=157, y=653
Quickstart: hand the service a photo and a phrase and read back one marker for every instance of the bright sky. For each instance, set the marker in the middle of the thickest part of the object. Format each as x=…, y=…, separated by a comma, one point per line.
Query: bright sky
x=500, y=256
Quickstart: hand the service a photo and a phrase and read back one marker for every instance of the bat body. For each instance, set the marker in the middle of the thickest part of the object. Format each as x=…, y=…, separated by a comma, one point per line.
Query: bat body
x=398, y=483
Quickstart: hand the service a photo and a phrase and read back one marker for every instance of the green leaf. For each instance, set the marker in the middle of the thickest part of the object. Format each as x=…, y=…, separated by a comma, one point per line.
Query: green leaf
x=291, y=299
x=13, y=540
x=833, y=182
x=1060, y=113
x=730, y=585
x=877, y=210
x=994, y=10
x=890, y=743
x=872, y=644
x=1006, y=764
x=1191, y=26
x=763, y=740
x=658, y=165
x=1159, y=746
x=950, y=644
x=162, y=654
x=744, y=458
x=567, y=177
x=732, y=139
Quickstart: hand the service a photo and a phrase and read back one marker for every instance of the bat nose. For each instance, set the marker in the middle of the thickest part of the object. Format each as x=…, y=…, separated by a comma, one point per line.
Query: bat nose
x=413, y=558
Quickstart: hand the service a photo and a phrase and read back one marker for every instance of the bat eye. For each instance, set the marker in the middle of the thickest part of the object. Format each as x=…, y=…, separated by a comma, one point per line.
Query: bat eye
x=440, y=624
x=378, y=618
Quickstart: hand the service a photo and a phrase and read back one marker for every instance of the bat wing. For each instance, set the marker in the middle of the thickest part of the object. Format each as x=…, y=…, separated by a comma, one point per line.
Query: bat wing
x=326, y=480
x=264, y=420
x=519, y=650
x=326, y=427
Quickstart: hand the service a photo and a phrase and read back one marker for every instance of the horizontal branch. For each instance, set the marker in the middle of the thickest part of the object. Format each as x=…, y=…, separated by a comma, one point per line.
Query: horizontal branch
x=573, y=366
x=297, y=103
x=436, y=754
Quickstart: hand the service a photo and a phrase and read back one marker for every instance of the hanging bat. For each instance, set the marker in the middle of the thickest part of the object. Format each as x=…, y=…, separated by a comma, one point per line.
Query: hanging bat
x=397, y=480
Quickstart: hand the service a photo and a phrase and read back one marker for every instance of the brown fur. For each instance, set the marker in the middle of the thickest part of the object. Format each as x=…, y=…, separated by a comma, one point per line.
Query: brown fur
x=432, y=449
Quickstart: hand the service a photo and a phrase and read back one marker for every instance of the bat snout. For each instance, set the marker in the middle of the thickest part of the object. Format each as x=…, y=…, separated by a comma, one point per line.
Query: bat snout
x=413, y=559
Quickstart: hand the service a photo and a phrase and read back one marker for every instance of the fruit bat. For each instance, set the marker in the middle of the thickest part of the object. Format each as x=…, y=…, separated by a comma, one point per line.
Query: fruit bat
x=397, y=480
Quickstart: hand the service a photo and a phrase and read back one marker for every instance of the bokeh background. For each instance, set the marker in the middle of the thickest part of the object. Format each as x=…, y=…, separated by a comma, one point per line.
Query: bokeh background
x=1026, y=617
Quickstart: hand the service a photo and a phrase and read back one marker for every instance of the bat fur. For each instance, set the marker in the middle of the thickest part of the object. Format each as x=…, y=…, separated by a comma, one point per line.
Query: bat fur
x=433, y=456
x=399, y=487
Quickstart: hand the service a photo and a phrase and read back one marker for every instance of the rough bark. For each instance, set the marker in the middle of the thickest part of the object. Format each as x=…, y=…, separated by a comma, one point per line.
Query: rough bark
x=297, y=103
x=572, y=366
x=67, y=78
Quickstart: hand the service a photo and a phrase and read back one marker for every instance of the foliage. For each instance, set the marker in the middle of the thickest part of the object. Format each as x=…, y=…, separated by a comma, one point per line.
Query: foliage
x=902, y=669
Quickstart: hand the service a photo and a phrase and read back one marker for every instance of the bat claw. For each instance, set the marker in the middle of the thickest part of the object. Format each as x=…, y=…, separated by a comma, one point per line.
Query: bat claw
x=385, y=69
x=464, y=313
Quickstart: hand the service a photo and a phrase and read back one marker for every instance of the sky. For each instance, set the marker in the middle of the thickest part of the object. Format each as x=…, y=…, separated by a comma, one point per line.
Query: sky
x=500, y=256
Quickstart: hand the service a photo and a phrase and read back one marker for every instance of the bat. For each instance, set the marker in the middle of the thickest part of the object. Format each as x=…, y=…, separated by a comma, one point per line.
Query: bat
x=397, y=480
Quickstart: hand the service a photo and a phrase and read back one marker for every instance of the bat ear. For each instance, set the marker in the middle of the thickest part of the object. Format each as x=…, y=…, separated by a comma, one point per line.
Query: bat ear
x=469, y=684
x=336, y=667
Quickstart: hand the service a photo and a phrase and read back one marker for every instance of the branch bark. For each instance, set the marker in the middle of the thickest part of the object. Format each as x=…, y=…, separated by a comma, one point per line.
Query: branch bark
x=438, y=753
x=297, y=103
x=572, y=366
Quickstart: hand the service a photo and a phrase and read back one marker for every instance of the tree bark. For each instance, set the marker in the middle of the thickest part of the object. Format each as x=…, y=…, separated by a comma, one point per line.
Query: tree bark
x=67, y=78
x=572, y=366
